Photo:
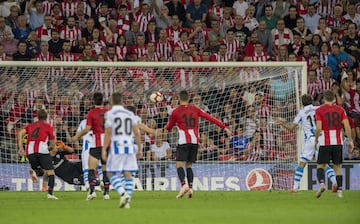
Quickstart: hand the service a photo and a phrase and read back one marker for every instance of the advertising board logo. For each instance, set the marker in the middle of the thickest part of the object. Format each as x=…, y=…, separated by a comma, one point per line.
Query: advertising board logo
x=258, y=180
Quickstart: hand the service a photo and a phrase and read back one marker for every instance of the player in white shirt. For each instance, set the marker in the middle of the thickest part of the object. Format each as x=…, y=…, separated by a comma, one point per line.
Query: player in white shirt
x=120, y=130
x=306, y=117
x=86, y=145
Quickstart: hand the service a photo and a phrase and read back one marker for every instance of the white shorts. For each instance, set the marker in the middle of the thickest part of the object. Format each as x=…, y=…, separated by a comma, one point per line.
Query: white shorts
x=121, y=163
x=85, y=159
x=308, y=150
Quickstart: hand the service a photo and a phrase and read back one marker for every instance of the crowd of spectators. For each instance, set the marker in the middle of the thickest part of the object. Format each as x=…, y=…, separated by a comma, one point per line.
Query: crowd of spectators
x=323, y=33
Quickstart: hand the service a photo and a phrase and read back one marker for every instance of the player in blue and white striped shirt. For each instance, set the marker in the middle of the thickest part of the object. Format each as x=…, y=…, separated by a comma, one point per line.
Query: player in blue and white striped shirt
x=306, y=117
x=121, y=127
x=86, y=145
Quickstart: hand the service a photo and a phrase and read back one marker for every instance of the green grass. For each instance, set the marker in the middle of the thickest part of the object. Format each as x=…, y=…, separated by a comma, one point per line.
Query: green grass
x=162, y=207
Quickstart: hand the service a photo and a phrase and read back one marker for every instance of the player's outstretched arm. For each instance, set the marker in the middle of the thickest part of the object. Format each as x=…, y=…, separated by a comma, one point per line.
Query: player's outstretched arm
x=288, y=126
x=21, y=135
x=137, y=136
x=145, y=128
x=215, y=121
x=81, y=133
x=317, y=132
x=348, y=133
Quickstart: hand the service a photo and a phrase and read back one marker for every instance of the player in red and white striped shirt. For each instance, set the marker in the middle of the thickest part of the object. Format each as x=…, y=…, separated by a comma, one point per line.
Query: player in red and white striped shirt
x=186, y=118
x=39, y=134
x=95, y=121
x=330, y=119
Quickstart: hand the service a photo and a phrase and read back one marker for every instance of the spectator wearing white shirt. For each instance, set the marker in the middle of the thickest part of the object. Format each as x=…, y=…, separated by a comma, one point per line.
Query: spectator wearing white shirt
x=239, y=7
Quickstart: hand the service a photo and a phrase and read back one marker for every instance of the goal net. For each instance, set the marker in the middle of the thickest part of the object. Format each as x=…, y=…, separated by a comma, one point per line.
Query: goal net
x=245, y=96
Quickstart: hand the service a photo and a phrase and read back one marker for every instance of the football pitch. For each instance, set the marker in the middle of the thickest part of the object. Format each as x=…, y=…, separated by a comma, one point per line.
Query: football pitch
x=162, y=207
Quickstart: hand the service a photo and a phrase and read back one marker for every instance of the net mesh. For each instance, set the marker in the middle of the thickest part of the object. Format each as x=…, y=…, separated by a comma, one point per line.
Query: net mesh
x=245, y=98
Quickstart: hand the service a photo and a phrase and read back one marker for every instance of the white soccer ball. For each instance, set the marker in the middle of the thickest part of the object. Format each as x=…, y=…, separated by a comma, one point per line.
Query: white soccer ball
x=156, y=97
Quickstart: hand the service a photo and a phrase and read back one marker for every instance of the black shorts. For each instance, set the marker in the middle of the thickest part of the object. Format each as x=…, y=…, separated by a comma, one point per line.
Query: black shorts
x=96, y=153
x=330, y=152
x=186, y=152
x=43, y=161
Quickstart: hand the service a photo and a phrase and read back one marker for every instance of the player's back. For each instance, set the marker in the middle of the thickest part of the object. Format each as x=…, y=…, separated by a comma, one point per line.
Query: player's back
x=121, y=121
x=331, y=117
x=38, y=134
x=187, y=116
x=95, y=119
x=306, y=117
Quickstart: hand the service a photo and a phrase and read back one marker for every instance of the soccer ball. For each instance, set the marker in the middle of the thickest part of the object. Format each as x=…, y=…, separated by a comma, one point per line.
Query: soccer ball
x=156, y=97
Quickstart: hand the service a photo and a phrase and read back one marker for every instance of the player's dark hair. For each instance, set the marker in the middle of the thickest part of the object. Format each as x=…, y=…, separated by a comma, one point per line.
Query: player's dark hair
x=184, y=95
x=42, y=115
x=329, y=96
x=98, y=98
x=131, y=108
x=117, y=98
x=306, y=99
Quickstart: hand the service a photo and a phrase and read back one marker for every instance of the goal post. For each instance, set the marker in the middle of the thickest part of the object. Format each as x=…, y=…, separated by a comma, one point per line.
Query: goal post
x=246, y=96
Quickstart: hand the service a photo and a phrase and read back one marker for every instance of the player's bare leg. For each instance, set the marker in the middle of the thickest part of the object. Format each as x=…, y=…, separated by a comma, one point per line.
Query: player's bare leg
x=45, y=180
x=181, y=174
x=93, y=162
